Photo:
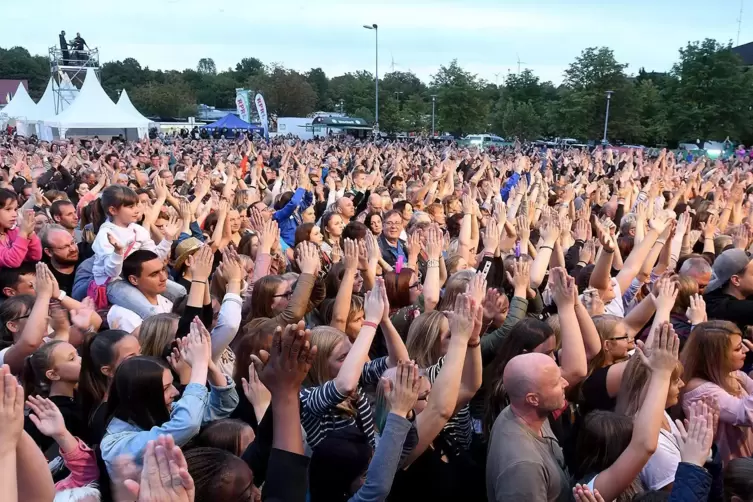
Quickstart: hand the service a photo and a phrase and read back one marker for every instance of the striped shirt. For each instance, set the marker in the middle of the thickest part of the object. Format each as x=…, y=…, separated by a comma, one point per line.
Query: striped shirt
x=319, y=416
x=460, y=426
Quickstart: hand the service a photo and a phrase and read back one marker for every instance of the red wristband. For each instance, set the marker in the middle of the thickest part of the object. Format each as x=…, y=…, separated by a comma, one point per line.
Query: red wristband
x=369, y=323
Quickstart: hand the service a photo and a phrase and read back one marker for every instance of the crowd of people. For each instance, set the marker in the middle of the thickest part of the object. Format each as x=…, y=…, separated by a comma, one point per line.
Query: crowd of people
x=352, y=320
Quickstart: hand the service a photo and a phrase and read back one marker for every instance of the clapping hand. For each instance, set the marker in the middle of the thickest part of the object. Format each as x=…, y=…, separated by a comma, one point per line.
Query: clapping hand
x=696, y=435
x=402, y=394
x=165, y=476
x=461, y=318
x=664, y=352
x=285, y=366
x=583, y=494
x=11, y=410
x=115, y=243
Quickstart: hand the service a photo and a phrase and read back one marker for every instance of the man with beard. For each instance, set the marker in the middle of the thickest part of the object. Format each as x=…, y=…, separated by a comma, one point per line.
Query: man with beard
x=525, y=460
x=61, y=253
x=63, y=213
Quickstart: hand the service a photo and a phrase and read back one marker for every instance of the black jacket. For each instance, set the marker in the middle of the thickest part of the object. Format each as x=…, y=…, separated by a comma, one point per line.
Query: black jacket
x=721, y=306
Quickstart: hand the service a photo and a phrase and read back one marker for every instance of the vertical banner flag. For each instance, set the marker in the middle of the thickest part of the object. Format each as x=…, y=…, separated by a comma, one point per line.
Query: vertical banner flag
x=261, y=109
x=242, y=104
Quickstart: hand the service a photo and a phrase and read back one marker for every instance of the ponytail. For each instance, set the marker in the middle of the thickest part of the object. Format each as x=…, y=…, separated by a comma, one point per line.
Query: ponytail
x=96, y=352
x=34, y=377
x=99, y=215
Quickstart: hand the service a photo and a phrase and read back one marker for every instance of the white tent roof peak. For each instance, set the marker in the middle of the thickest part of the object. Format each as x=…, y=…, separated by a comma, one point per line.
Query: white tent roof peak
x=124, y=103
x=20, y=106
x=94, y=109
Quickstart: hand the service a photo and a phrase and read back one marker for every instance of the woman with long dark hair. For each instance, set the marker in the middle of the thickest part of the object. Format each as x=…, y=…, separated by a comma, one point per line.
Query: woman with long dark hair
x=142, y=402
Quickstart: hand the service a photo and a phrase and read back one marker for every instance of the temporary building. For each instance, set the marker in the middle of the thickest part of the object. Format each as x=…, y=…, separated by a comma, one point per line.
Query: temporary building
x=232, y=121
x=94, y=113
x=124, y=103
x=20, y=106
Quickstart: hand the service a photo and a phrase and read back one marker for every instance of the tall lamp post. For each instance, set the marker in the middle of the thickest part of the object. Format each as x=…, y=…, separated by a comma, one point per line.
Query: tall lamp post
x=433, y=104
x=376, y=100
x=606, y=118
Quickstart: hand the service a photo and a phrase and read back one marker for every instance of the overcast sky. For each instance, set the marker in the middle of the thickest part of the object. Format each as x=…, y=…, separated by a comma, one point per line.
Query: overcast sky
x=485, y=36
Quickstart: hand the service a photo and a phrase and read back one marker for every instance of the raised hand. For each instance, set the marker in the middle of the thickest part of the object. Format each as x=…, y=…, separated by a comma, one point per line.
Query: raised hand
x=307, y=257
x=695, y=441
x=476, y=288
x=46, y=416
x=45, y=282
x=254, y=390
x=172, y=228
x=696, y=312
x=461, y=318
x=563, y=288
x=283, y=369
x=81, y=316
x=165, y=476
x=194, y=351
x=665, y=350
x=11, y=410
x=665, y=295
x=374, y=303
x=403, y=393
x=26, y=223
x=434, y=242
x=350, y=255
x=582, y=493
x=520, y=278
x=491, y=236
x=201, y=265
x=115, y=243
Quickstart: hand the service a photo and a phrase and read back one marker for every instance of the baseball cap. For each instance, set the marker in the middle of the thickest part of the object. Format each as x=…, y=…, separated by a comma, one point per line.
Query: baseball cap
x=729, y=263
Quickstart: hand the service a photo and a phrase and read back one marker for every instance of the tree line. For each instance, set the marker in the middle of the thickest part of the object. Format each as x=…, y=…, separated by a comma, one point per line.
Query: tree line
x=706, y=95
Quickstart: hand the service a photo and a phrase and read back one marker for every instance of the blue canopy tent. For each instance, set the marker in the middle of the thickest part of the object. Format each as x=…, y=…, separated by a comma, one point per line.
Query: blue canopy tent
x=232, y=122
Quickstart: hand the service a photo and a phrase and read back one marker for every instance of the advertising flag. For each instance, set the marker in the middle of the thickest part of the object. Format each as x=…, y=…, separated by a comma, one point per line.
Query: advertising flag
x=261, y=109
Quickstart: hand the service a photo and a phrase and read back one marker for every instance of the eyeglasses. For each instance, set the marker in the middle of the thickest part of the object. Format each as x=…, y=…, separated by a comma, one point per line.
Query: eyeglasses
x=71, y=244
x=626, y=337
x=415, y=285
x=20, y=317
x=286, y=295
x=392, y=223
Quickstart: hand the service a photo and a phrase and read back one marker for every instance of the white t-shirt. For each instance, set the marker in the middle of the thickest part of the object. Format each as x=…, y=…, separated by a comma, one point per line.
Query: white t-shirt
x=2, y=355
x=660, y=469
x=128, y=320
x=616, y=306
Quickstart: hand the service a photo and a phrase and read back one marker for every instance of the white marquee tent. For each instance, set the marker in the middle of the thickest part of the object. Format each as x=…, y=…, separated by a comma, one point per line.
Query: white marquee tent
x=20, y=106
x=94, y=113
x=46, y=105
x=124, y=103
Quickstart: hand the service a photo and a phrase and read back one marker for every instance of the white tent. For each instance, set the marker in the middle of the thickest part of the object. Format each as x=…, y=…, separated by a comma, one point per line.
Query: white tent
x=124, y=103
x=94, y=113
x=20, y=106
x=46, y=105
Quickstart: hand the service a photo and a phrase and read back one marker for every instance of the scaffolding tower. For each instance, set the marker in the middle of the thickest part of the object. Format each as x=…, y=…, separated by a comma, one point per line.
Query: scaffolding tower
x=68, y=70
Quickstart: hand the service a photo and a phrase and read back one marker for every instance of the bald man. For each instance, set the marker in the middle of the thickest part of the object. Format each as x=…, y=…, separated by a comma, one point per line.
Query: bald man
x=524, y=460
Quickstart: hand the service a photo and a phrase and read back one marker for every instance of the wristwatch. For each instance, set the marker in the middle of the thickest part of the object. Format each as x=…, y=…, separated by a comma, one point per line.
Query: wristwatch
x=62, y=295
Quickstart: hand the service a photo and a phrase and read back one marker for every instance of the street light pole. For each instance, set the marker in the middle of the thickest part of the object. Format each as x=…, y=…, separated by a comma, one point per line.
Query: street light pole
x=376, y=74
x=606, y=118
x=433, y=103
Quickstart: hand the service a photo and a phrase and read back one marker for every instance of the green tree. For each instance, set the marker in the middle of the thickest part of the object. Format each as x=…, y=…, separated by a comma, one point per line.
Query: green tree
x=171, y=99
x=654, y=126
x=357, y=92
x=206, y=66
x=319, y=82
x=712, y=94
x=286, y=92
x=463, y=110
x=17, y=63
x=588, y=79
x=517, y=120
x=248, y=67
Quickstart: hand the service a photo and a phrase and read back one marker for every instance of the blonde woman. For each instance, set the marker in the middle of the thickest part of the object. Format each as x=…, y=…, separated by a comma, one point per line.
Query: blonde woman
x=333, y=398
x=659, y=471
x=713, y=357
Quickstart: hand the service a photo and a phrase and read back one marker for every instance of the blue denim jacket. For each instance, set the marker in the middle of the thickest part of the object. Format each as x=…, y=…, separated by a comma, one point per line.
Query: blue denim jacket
x=196, y=407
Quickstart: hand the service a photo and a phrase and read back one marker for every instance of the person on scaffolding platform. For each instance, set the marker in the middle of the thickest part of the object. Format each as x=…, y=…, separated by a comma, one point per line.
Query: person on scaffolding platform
x=64, y=48
x=78, y=45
